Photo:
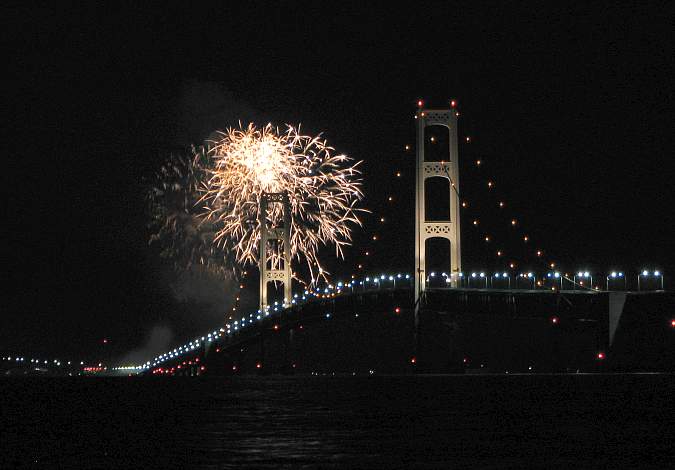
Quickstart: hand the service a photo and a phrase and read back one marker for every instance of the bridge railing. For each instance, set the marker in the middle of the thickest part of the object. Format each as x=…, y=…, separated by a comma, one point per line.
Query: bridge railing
x=553, y=280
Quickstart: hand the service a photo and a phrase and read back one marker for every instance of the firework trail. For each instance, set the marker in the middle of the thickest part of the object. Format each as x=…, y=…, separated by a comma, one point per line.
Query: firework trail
x=323, y=189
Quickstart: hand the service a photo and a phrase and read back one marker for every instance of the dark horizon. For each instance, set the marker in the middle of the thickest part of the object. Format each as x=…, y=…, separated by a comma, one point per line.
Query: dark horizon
x=570, y=110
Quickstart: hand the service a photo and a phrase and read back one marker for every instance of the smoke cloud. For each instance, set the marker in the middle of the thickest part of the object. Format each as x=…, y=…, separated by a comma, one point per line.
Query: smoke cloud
x=160, y=339
x=210, y=289
x=208, y=106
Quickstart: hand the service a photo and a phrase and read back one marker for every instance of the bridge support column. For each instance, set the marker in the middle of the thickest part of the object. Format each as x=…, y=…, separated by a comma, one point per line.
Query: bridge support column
x=276, y=271
x=448, y=169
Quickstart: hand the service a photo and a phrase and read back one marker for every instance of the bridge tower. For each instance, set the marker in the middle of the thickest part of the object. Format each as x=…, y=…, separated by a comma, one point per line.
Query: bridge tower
x=448, y=168
x=282, y=235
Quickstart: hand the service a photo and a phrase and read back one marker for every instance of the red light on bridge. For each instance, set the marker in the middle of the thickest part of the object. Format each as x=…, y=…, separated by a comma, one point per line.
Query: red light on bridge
x=672, y=323
x=234, y=368
x=202, y=368
x=465, y=360
x=413, y=360
x=258, y=365
x=397, y=310
x=301, y=327
x=420, y=103
x=555, y=320
x=601, y=355
x=276, y=327
x=453, y=103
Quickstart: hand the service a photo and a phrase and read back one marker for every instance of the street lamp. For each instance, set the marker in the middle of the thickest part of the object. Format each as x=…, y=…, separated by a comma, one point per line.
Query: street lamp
x=531, y=276
x=555, y=275
x=645, y=273
x=583, y=275
x=527, y=276
x=503, y=276
x=615, y=275
x=454, y=280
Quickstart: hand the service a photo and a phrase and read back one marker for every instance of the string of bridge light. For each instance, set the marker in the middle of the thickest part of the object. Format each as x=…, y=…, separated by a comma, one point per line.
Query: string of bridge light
x=374, y=235
x=539, y=252
x=490, y=184
x=237, y=298
x=36, y=362
x=230, y=328
x=514, y=222
x=362, y=285
x=328, y=292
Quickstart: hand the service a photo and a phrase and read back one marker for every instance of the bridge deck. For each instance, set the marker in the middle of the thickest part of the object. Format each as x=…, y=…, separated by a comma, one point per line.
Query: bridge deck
x=504, y=328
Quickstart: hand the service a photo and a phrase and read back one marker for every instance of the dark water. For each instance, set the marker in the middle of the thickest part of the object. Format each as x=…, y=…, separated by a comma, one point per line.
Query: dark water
x=559, y=421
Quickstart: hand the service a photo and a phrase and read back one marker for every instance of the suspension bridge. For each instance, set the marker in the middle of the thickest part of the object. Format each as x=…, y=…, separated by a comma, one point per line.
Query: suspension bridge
x=430, y=321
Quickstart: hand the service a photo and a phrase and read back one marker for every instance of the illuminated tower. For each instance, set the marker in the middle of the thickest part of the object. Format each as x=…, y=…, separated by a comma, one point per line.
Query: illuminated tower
x=448, y=169
x=282, y=234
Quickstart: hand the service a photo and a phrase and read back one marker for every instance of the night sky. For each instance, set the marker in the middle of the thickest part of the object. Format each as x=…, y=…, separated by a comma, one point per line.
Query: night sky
x=570, y=111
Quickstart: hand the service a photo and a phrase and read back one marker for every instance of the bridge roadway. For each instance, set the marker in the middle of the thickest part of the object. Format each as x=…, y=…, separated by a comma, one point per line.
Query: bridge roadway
x=454, y=330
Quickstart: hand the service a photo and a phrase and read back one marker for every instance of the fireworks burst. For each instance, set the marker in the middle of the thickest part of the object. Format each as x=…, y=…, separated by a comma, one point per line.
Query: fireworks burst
x=323, y=190
x=175, y=223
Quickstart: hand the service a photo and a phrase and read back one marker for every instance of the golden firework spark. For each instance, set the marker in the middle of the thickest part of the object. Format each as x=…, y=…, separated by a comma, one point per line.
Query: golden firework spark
x=323, y=189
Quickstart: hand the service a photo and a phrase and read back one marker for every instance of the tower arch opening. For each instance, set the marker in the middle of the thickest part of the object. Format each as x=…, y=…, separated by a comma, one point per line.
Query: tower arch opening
x=439, y=262
x=436, y=143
